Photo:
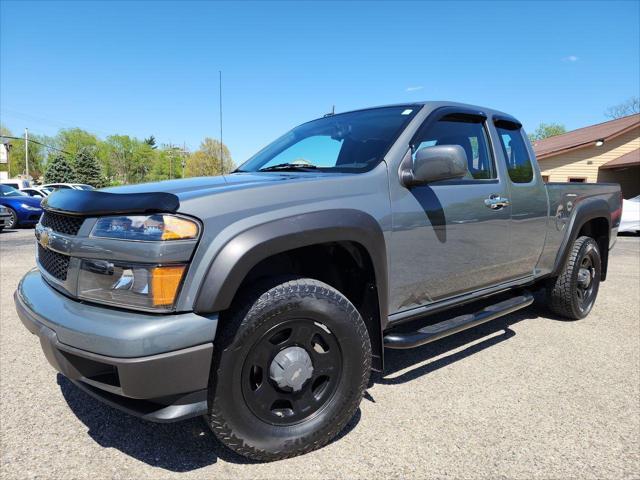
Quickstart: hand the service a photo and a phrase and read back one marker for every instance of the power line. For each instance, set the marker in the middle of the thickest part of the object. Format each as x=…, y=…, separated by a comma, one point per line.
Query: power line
x=60, y=124
x=39, y=143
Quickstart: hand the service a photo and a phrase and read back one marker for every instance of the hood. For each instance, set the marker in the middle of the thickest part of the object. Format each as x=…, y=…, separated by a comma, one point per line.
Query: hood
x=236, y=196
x=192, y=196
x=190, y=188
x=31, y=201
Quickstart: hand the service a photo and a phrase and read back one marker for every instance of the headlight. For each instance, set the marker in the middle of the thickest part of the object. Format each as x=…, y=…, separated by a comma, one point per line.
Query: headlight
x=30, y=207
x=140, y=286
x=155, y=227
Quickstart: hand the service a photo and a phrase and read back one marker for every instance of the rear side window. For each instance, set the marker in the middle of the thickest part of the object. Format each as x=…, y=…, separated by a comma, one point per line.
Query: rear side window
x=515, y=151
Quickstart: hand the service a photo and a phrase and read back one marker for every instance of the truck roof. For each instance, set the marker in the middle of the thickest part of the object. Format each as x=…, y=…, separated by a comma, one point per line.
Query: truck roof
x=433, y=104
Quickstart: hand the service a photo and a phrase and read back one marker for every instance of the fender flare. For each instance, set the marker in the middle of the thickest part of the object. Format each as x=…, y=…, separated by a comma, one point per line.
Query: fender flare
x=238, y=256
x=584, y=211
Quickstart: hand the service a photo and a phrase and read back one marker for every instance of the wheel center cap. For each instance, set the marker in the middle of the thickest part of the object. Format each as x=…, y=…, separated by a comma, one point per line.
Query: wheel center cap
x=584, y=277
x=291, y=368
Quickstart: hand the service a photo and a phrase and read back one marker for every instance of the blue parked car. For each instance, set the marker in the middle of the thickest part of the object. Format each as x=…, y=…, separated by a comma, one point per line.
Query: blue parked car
x=23, y=209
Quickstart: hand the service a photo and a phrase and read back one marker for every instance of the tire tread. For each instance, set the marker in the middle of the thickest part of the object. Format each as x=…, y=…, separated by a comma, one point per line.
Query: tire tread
x=240, y=324
x=560, y=290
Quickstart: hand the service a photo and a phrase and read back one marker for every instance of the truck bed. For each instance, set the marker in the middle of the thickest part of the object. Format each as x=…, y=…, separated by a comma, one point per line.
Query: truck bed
x=563, y=198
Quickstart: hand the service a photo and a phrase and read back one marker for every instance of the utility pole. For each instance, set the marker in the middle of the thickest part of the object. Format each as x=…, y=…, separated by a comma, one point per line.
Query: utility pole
x=183, y=162
x=171, y=152
x=26, y=151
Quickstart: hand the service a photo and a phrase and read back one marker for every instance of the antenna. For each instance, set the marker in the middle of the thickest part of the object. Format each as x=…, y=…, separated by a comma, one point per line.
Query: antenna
x=221, y=149
x=332, y=112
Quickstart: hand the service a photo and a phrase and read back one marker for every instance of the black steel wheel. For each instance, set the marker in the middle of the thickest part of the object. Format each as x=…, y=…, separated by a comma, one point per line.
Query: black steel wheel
x=292, y=371
x=573, y=293
x=291, y=363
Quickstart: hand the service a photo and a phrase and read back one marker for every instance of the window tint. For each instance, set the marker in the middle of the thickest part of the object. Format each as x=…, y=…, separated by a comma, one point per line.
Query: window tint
x=515, y=151
x=467, y=133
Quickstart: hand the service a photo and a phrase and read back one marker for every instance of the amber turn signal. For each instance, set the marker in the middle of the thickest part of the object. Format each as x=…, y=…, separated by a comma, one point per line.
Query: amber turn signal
x=176, y=228
x=165, y=282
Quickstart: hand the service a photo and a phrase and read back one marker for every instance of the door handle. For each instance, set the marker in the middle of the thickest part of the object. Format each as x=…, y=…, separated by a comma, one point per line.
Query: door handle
x=496, y=202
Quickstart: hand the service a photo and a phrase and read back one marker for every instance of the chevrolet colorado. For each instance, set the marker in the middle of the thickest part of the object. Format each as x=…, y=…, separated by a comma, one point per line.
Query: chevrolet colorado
x=263, y=299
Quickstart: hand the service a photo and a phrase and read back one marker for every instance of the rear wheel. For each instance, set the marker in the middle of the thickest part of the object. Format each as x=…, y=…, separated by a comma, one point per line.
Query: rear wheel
x=13, y=220
x=573, y=293
x=290, y=368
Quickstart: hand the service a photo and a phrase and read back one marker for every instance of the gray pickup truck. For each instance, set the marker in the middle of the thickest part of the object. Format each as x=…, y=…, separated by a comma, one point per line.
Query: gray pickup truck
x=264, y=298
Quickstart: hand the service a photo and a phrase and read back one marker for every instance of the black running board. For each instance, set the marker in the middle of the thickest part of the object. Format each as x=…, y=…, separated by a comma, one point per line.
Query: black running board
x=454, y=325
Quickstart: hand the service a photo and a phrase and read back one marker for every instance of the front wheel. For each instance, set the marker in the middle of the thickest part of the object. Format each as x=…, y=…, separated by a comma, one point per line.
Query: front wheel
x=13, y=219
x=573, y=293
x=291, y=364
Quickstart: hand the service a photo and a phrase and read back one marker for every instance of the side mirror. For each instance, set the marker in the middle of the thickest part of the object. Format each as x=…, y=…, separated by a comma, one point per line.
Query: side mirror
x=440, y=162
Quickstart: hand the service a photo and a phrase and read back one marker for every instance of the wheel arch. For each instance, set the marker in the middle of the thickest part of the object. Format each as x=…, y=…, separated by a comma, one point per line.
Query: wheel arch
x=353, y=231
x=591, y=217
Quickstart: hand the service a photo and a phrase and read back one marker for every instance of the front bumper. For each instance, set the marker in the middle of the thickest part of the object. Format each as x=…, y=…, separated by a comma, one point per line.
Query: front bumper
x=136, y=362
x=28, y=217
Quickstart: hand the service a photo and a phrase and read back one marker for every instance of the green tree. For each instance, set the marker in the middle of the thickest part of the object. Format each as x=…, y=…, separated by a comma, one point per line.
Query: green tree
x=72, y=140
x=119, y=157
x=87, y=168
x=628, y=107
x=546, y=130
x=151, y=141
x=166, y=164
x=206, y=160
x=59, y=170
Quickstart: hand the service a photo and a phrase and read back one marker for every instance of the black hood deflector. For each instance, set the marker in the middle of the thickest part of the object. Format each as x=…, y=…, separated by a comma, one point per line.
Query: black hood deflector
x=93, y=203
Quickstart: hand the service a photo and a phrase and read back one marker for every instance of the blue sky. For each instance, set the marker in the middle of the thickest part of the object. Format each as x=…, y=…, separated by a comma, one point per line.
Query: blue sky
x=142, y=68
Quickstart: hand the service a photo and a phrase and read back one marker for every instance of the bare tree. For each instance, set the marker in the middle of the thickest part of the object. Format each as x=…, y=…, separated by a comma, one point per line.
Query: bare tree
x=624, y=109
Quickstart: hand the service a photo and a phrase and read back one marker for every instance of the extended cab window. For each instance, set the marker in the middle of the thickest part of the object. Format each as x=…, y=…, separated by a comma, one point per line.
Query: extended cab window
x=469, y=133
x=516, y=154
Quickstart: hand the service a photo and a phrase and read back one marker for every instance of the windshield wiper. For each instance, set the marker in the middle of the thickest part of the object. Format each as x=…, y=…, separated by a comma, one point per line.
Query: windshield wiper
x=288, y=166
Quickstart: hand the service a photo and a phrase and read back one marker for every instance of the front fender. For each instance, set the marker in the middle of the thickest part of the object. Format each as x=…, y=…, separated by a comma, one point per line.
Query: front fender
x=240, y=254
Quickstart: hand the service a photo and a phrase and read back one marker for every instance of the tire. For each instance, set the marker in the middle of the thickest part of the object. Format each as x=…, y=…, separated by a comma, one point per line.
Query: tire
x=256, y=408
x=572, y=295
x=13, y=222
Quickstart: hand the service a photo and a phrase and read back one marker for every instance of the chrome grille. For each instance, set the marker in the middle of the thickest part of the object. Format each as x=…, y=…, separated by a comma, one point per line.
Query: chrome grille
x=54, y=263
x=57, y=222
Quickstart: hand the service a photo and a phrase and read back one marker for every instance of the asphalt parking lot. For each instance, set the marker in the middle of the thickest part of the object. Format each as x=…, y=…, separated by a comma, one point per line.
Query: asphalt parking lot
x=527, y=396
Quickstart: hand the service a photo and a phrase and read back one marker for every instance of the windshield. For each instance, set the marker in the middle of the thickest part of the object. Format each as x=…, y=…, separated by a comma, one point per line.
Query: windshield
x=7, y=191
x=82, y=186
x=348, y=142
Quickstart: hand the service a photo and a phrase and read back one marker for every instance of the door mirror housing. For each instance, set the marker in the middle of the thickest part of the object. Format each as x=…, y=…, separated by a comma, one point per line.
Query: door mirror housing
x=440, y=162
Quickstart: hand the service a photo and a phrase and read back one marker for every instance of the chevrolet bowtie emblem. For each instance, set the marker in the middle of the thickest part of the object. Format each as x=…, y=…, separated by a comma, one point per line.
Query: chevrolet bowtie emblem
x=44, y=238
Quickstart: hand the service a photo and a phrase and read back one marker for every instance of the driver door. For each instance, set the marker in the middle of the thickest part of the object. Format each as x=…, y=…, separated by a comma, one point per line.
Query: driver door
x=447, y=240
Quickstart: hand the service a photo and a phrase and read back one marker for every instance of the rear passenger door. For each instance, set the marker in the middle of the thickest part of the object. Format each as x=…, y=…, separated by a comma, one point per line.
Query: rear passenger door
x=529, y=203
x=448, y=236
